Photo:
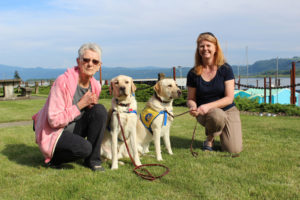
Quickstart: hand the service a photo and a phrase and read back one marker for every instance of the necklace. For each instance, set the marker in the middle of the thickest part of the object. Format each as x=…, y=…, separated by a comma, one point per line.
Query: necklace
x=208, y=73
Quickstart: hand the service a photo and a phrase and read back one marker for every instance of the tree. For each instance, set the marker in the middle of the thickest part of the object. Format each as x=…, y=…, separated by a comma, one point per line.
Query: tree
x=17, y=76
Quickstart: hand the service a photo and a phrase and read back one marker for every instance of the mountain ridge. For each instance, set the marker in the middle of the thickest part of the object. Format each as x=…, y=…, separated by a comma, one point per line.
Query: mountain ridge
x=258, y=68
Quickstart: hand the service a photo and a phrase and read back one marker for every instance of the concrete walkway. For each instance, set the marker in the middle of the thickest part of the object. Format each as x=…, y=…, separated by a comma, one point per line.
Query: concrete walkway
x=11, y=124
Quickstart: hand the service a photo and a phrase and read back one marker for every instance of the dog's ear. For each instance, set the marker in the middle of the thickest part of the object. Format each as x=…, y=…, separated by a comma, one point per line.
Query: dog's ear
x=109, y=113
x=111, y=86
x=133, y=87
x=157, y=87
x=110, y=89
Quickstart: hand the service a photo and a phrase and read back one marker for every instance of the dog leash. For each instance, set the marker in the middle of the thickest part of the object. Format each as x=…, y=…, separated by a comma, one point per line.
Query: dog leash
x=173, y=116
x=147, y=176
x=195, y=154
x=181, y=114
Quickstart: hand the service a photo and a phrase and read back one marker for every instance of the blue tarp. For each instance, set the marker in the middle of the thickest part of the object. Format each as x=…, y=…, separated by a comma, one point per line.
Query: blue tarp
x=281, y=96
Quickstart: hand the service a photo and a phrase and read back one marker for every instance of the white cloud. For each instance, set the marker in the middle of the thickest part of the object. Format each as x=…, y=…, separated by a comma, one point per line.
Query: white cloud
x=143, y=32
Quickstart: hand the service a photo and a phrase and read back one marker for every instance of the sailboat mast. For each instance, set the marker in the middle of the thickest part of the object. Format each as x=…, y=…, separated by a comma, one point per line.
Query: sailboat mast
x=247, y=62
x=276, y=84
x=277, y=71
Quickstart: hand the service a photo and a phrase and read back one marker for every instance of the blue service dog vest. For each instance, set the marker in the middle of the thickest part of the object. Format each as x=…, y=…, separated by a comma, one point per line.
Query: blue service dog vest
x=148, y=115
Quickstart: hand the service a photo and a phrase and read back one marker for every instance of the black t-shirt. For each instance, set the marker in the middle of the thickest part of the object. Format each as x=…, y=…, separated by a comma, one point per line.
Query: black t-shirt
x=213, y=90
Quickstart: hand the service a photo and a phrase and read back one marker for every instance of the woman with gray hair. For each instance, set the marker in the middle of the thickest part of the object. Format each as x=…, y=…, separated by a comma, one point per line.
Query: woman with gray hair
x=72, y=113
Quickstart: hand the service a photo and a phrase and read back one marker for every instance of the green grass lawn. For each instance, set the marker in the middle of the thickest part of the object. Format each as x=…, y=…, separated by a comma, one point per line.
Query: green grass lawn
x=22, y=110
x=268, y=168
x=19, y=110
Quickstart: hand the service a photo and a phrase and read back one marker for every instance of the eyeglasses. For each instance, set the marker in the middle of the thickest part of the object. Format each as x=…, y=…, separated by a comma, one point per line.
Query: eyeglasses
x=87, y=60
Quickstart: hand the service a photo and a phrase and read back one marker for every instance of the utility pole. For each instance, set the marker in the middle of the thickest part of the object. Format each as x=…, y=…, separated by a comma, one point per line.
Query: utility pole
x=180, y=71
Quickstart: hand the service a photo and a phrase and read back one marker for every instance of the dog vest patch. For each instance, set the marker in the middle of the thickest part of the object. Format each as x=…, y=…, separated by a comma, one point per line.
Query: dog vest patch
x=148, y=115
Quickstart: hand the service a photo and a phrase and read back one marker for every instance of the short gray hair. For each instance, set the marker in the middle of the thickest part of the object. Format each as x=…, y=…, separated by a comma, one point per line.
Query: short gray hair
x=89, y=46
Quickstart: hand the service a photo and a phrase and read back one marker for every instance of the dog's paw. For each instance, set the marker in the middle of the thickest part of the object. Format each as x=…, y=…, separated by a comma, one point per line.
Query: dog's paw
x=138, y=163
x=120, y=156
x=159, y=158
x=121, y=163
x=114, y=165
x=146, y=151
x=170, y=152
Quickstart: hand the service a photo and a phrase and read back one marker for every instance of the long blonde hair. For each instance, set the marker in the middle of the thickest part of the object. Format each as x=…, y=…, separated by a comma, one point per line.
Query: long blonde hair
x=219, y=56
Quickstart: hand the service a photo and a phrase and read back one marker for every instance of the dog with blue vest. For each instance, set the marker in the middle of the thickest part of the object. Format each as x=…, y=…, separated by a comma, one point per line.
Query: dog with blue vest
x=155, y=120
x=123, y=104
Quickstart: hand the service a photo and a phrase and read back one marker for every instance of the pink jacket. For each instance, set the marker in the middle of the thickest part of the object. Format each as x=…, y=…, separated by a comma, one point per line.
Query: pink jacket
x=58, y=111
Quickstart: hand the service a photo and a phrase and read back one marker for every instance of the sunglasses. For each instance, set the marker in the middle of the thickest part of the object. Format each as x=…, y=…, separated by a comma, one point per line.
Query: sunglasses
x=87, y=60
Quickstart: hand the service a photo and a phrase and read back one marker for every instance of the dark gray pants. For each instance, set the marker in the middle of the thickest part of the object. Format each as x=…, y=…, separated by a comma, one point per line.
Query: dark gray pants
x=73, y=146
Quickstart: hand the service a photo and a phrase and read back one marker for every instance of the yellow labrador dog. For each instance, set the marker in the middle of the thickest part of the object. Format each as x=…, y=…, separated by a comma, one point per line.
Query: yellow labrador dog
x=155, y=120
x=124, y=103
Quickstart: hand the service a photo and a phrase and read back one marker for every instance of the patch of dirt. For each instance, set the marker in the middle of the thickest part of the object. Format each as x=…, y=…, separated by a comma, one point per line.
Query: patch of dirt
x=11, y=124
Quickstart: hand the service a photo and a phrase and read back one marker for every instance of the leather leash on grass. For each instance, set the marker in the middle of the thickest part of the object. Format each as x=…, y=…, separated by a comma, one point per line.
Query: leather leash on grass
x=147, y=176
x=195, y=154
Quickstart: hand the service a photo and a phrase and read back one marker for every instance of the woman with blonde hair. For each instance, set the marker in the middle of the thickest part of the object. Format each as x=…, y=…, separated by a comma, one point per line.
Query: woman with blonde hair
x=210, y=86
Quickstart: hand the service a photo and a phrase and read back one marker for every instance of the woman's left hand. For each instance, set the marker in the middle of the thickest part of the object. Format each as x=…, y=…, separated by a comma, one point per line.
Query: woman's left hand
x=94, y=100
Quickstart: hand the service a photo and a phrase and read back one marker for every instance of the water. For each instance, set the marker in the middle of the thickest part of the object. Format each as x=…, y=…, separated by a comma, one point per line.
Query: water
x=253, y=81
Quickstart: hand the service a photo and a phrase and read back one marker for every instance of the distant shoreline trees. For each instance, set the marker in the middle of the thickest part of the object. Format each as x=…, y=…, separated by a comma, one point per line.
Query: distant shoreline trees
x=16, y=75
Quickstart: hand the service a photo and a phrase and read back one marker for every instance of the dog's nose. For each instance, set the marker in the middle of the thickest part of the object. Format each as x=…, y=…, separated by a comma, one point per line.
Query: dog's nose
x=179, y=92
x=122, y=88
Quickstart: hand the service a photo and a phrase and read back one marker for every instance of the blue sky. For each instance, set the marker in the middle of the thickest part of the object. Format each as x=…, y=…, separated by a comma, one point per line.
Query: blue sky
x=136, y=33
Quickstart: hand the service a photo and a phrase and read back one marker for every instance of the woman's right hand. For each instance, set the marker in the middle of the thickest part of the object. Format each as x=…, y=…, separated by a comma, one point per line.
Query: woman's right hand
x=88, y=99
x=194, y=112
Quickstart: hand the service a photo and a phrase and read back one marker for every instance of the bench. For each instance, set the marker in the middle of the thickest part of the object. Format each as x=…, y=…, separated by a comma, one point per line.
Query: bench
x=8, y=87
x=26, y=91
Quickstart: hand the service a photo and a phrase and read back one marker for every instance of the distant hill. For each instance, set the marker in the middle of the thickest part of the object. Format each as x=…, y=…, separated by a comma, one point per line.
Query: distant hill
x=258, y=68
x=140, y=73
x=7, y=72
x=267, y=67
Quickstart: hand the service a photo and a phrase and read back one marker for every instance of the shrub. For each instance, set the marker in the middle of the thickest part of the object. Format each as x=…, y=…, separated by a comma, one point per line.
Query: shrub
x=105, y=92
x=182, y=100
x=44, y=89
x=245, y=104
x=143, y=92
